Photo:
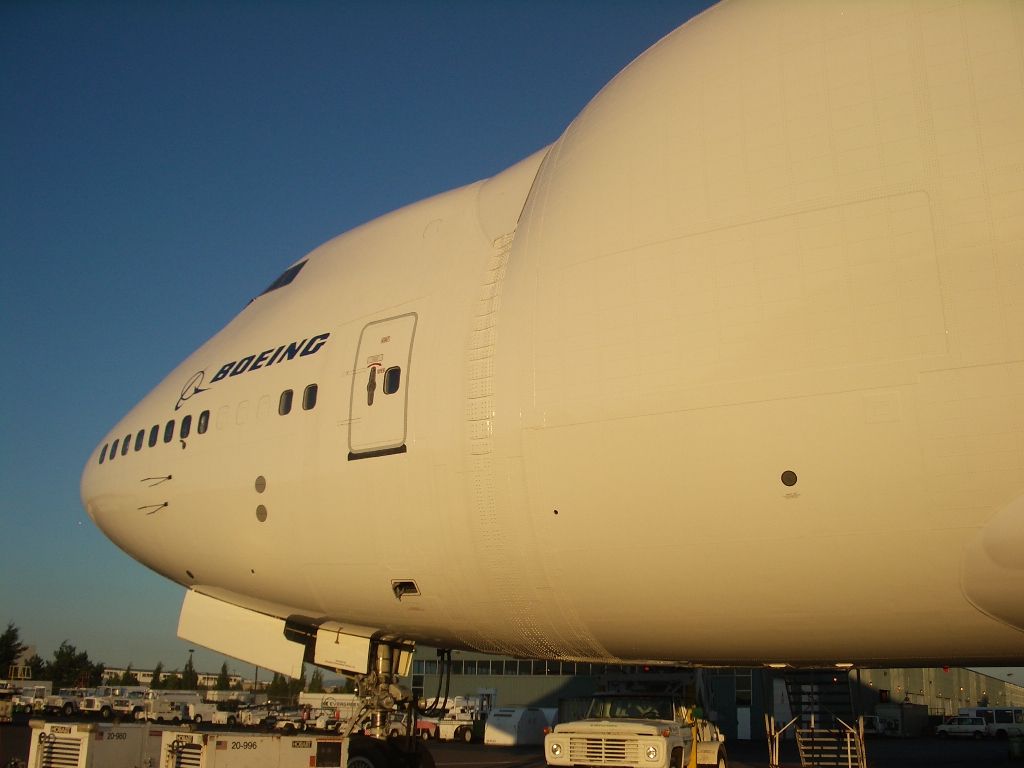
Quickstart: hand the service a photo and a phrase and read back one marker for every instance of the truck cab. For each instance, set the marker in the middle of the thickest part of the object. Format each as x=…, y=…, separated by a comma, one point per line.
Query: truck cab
x=636, y=731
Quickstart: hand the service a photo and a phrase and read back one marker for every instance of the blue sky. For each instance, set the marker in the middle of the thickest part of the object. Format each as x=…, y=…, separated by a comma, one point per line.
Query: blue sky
x=163, y=162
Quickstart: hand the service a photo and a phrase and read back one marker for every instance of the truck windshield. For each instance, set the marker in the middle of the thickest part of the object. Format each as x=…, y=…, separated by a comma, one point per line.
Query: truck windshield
x=638, y=707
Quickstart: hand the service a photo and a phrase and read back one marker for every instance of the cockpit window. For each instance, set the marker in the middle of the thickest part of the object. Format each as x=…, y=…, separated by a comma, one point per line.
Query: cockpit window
x=286, y=277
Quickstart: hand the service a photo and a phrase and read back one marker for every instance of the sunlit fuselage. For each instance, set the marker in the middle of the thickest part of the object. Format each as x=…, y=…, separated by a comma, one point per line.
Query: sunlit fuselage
x=731, y=373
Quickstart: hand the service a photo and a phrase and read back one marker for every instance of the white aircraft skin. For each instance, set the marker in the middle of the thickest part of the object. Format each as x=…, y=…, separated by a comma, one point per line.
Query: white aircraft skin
x=731, y=373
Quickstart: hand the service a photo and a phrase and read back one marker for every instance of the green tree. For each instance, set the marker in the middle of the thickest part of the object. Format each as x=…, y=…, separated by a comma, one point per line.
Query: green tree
x=172, y=682
x=316, y=682
x=71, y=667
x=223, y=679
x=278, y=688
x=11, y=648
x=37, y=667
x=158, y=676
x=128, y=677
x=189, y=676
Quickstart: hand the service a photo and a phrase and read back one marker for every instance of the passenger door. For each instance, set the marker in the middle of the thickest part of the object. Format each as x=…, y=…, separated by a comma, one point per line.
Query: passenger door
x=380, y=385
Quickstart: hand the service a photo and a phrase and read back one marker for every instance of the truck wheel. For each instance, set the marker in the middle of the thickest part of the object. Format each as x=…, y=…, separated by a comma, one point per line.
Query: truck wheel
x=425, y=734
x=68, y=709
x=363, y=752
x=197, y=719
x=467, y=735
x=106, y=712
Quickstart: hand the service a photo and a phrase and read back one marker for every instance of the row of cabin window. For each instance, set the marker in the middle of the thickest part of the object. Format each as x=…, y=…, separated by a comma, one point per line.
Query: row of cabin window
x=284, y=407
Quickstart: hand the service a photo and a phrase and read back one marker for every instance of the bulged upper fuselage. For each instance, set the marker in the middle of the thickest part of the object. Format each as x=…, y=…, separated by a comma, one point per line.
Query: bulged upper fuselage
x=730, y=373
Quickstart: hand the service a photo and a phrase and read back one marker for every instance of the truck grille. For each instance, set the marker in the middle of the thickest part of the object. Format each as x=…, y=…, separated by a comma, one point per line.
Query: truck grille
x=57, y=752
x=602, y=751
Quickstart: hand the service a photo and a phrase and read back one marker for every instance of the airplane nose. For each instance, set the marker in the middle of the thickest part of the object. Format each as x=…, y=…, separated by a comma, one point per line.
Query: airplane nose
x=106, y=496
x=89, y=490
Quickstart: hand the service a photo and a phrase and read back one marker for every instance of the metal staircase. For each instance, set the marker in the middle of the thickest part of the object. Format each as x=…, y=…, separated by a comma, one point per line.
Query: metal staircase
x=821, y=694
x=822, y=707
x=841, y=747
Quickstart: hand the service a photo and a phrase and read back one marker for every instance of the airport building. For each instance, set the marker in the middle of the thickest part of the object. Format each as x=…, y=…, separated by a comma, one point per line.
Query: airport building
x=738, y=699
x=111, y=676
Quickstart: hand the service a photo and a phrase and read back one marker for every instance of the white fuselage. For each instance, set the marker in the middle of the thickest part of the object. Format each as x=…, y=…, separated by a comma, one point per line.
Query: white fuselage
x=733, y=372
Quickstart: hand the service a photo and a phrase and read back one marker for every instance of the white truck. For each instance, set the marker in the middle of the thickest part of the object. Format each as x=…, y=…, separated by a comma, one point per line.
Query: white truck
x=98, y=702
x=167, y=706
x=32, y=695
x=636, y=730
x=64, y=702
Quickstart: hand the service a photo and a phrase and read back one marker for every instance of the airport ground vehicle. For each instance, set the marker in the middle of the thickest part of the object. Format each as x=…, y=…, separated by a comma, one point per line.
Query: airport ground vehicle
x=130, y=701
x=200, y=711
x=1001, y=722
x=636, y=729
x=962, y=725
x=98, y=702
x=516, y=726
x=32, y=695
x=66, y=701
x=95, y=745
x=464, y=721
x=168, y=706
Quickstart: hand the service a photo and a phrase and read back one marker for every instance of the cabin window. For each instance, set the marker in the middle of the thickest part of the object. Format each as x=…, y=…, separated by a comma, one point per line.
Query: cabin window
x=204, y=422
x=126, y=444
x=284, y=405
x=309, y=398
x=103, y=453
x=154, y=433
x=139, y=438
x=186, y=427
x=392, y=380
x=169, y=431
x=113, y=449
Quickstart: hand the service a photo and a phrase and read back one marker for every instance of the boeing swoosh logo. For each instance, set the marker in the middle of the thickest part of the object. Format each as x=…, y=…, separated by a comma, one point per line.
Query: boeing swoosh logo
x=192, y=388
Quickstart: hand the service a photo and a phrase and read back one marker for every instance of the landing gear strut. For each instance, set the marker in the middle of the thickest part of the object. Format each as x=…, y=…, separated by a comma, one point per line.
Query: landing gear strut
x=382, y=697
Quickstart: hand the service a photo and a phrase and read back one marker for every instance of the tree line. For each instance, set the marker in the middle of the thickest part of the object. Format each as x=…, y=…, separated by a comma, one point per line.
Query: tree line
x=71, y=668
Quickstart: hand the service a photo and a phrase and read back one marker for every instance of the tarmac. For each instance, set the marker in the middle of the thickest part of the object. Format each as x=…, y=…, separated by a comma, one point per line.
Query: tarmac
x=881, y=753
